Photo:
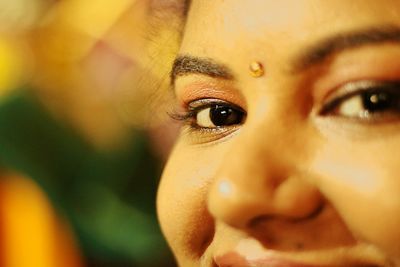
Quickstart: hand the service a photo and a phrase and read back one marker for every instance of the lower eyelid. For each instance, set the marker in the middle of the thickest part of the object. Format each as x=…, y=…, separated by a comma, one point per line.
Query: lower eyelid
x=208, y=136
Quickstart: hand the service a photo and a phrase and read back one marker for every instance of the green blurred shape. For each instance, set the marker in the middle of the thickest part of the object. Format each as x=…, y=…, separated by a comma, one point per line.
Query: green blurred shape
x=109, y=198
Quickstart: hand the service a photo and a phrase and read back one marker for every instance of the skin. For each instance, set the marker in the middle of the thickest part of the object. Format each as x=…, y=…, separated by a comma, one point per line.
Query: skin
x=320, y=189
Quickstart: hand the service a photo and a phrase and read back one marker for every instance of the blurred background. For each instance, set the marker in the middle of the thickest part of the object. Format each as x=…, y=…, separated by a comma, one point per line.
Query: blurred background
x=83, y=131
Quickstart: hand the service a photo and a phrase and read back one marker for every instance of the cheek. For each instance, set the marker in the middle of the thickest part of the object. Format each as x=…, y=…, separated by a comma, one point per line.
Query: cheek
x=181, y=204
x=362, y=182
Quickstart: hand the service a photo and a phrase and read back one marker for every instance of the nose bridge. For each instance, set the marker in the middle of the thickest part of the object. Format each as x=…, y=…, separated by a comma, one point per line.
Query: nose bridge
x=259, y=178
x=256, y=161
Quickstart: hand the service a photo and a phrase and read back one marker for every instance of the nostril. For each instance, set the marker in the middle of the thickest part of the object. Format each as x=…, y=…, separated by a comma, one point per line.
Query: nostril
x=315, y=213
x=259, y=220
x=262, y=219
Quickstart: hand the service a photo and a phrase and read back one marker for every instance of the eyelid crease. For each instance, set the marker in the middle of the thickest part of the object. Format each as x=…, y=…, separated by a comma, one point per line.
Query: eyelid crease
x=207, y=102
x=209, y=90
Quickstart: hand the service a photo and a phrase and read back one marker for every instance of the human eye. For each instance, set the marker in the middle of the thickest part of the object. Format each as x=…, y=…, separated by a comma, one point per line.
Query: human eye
x=216, y=114
x=365, y=101
x=212, y=114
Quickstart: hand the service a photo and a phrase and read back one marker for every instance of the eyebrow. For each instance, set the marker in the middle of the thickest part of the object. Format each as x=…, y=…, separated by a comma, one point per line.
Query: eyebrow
x=314, y=55
x=186, y=64
x=320, y=52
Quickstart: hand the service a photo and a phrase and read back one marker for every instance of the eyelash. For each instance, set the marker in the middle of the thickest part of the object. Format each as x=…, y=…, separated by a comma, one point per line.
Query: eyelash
x=373, y=91
x=189, y=117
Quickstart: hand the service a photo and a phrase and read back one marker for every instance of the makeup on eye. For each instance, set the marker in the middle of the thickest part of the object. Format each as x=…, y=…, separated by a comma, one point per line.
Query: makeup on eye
x=365, y=101
x=192, y=87
x=206, y=121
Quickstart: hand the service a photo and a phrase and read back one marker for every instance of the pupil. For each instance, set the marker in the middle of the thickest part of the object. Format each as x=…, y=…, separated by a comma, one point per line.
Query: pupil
x=223, y=115
x=377, y=101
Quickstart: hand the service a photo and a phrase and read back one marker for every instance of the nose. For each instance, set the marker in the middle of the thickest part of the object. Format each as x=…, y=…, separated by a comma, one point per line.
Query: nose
x=260, y=178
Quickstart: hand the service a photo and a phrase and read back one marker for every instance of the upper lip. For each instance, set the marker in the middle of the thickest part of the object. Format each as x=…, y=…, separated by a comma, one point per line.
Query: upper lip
x=233, y=259
x=270, y=258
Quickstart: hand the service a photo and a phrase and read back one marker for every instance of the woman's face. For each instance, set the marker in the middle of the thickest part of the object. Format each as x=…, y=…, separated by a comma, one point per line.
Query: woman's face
x=297, y=167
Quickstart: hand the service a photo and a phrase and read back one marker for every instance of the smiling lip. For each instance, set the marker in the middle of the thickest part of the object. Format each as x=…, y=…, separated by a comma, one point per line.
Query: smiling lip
x=233, y=259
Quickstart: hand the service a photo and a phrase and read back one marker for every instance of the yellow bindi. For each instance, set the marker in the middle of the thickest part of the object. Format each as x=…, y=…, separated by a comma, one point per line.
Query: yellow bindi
x=256, y=69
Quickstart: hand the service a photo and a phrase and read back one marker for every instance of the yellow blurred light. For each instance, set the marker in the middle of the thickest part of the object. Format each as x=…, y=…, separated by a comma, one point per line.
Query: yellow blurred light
x=32, y=235
x=19, y=15
x=93, y=17
x=82, y=23
x=10, y=66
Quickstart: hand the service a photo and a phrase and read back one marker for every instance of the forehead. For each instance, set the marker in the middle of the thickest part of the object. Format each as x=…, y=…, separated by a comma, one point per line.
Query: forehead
x=287, y=22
